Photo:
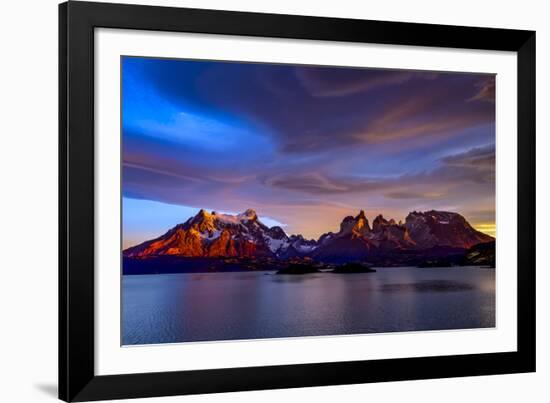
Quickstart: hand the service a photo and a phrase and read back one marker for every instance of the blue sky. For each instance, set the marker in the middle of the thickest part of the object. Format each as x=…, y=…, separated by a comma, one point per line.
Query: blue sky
x=304, y=146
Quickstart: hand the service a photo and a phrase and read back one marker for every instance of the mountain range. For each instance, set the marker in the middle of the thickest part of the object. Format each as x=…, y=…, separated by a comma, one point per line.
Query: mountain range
x=423, y=237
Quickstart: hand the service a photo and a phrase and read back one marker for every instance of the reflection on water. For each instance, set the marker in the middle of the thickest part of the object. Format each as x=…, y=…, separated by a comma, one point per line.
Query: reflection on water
x=428, y=286
x=171, y=308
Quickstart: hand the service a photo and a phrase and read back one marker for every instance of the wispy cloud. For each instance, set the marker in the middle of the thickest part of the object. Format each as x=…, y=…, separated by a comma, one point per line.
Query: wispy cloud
x=331, y=82
x=486, y=90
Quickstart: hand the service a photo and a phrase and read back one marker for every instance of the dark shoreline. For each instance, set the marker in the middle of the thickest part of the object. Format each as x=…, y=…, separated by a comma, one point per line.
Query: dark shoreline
x=173, y=265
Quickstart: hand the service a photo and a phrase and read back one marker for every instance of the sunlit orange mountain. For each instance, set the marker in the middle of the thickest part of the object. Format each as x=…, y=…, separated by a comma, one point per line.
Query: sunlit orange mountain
x=423, y=234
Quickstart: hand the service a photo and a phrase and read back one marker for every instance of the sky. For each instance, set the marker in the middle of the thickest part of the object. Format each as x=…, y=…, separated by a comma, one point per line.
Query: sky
x=304, y=146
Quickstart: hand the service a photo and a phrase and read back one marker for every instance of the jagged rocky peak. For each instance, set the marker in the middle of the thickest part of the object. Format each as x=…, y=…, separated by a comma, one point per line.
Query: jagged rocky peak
x=347, y=224
x=440, y=217
x=379, y=223
x=297, y=238
x=277, y=233
x=249, y=214
x=361, y=226
x=301, y=239
x=436, y=228
x=325, y=237
x=204, y=221
x=201, y=215
x=358, y=225
x=302, y=245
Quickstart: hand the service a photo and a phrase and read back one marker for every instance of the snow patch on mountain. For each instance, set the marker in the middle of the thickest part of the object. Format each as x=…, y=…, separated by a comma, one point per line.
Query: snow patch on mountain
x=215, y=234
x=305, y=248
x=276, y=245
x=228, y=219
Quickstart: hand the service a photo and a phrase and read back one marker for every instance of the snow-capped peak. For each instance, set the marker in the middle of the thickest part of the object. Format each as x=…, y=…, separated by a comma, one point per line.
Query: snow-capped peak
x=249, y=214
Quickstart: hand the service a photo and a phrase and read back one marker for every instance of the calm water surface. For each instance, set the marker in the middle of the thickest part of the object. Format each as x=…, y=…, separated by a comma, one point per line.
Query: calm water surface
x=170, y=308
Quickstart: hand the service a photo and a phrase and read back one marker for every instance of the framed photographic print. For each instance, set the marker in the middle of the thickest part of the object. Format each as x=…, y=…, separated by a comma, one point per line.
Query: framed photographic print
x=254, y=201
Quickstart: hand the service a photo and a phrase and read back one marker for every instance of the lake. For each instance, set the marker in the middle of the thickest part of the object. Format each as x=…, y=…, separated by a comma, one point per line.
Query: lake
x=171, y=308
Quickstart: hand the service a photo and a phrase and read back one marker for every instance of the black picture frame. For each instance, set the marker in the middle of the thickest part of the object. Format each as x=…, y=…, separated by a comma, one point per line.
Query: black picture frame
x=77, y=379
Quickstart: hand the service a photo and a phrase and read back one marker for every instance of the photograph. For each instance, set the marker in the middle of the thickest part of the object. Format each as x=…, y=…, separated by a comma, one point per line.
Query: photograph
x=276, y=200
x=255, y=202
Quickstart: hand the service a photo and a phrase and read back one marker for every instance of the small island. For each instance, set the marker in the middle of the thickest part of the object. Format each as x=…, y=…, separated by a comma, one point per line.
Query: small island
x=299, y=268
